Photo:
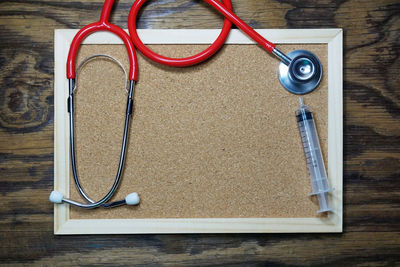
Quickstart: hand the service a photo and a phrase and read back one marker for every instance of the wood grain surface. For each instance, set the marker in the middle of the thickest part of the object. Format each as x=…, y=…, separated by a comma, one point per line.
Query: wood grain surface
x=371, y=138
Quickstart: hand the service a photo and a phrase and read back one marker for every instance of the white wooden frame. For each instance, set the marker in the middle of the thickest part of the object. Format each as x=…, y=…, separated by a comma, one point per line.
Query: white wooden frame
x=333, y=223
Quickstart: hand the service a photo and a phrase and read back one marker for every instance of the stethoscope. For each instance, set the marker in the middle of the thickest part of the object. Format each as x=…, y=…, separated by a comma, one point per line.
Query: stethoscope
x=299, y=72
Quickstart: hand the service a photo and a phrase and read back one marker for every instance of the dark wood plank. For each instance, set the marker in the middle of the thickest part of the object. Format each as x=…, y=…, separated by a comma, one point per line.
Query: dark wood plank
x=371, y=138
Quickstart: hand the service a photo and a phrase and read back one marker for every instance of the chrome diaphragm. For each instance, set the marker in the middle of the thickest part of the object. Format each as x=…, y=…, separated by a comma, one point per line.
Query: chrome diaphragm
x=303, y=74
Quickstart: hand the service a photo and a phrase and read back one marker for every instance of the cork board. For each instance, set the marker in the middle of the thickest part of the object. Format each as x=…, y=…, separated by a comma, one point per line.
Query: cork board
x=213, y=141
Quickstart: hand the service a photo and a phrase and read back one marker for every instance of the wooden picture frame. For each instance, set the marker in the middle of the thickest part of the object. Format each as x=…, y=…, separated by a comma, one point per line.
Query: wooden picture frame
x=63, y=224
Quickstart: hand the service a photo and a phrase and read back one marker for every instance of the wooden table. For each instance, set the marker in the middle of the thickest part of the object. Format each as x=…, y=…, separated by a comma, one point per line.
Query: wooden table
x=371, y=138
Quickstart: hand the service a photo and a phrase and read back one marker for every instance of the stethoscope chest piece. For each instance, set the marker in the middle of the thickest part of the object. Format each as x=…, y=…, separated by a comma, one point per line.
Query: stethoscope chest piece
x=303, y=74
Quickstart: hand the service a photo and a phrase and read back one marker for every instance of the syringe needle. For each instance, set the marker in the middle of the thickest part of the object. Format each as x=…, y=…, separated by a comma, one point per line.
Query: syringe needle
x=301, y=102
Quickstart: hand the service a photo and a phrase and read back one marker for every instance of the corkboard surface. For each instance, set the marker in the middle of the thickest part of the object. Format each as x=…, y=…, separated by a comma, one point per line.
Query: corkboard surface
x=217, y=140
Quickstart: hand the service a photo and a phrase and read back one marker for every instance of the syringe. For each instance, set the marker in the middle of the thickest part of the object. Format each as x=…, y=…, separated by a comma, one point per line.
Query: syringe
x=312, y=151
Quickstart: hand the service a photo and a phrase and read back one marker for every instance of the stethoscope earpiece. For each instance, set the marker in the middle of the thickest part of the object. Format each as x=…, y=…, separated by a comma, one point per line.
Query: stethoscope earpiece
x=56, y=197
x=132, y=199
x=303, y=74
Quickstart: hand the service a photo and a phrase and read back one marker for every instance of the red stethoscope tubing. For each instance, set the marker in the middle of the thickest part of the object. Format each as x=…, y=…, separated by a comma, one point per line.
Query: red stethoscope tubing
x=102, y=25
x=225, y=9
x=242, y=25
x=176, y=62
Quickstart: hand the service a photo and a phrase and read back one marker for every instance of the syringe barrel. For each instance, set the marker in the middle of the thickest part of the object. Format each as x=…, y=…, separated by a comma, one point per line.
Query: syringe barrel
x=313, y=154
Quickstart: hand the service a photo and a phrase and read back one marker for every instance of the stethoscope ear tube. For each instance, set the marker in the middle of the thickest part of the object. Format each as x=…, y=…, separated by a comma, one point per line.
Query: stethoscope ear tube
x=102, y=25
x=131, y=199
